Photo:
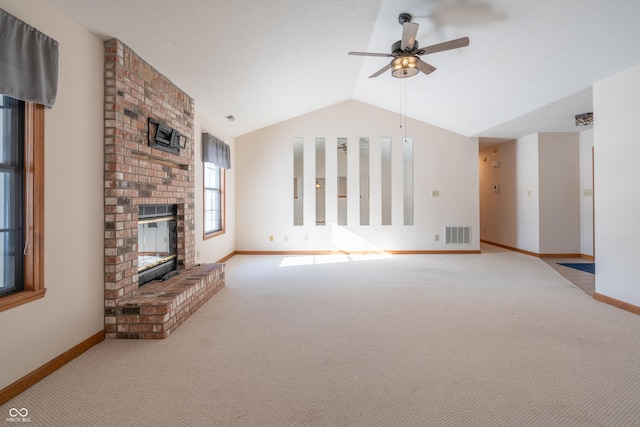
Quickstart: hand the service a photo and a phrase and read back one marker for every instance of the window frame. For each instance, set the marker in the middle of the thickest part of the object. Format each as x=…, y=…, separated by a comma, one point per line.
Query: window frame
x=33, y=262
x=222, y=189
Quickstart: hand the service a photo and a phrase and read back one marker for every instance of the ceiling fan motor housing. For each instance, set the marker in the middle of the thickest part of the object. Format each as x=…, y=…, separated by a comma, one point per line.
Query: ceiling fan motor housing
x=404, y=17
x=396, y=48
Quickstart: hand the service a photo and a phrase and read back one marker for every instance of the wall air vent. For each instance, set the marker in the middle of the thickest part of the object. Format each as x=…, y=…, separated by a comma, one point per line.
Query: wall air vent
x=457, y=235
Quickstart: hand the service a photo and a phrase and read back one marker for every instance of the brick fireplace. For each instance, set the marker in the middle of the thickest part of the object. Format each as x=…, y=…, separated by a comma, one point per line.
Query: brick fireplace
x=136, y=174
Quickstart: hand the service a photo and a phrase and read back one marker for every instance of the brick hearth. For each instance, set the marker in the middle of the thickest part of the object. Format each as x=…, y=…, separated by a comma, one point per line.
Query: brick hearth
x=136, y=174
x=157, y=309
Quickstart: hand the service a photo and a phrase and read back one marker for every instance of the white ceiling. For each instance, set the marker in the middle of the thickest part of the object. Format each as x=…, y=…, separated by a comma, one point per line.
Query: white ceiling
x=529, y=66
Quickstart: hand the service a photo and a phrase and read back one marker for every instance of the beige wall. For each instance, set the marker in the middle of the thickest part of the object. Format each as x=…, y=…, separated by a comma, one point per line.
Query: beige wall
x=559, y=163
x=586, y=192
x=443, y=161
x=528, y=189
x=71, y=311
x=616, y=106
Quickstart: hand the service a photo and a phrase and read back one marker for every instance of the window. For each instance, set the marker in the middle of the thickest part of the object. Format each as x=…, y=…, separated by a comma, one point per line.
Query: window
x=21, y=202
x=11, y=173
x=213, y=200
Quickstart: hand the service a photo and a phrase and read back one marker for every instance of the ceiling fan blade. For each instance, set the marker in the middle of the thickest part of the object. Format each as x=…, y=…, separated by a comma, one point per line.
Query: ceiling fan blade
x=425, y=67
x=451, y=44
x=370, y=54
x=381, y=70
x=409, y=32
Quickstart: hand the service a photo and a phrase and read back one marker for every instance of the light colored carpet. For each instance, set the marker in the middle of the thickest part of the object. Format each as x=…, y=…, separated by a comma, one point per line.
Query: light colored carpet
x=496, y=339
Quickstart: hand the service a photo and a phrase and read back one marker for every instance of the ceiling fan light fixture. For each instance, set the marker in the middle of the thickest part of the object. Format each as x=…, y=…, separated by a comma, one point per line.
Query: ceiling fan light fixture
x=405, y=66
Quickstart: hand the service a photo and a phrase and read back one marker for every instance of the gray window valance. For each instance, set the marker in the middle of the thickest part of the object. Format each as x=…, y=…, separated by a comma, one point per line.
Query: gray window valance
x=215, y=151
x=28, y=62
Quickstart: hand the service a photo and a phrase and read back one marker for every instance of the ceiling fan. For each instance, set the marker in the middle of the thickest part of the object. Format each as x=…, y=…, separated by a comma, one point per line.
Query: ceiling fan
x=405, y=52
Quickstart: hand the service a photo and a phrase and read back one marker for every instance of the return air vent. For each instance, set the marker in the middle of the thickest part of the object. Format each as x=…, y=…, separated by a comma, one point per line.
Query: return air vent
x=457, y=235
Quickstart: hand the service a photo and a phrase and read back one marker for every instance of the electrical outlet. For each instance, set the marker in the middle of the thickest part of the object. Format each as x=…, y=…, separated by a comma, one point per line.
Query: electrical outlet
x=435, y=193
x=271, y=237
x=286, y=238
x=306, y=238
x=437, y=238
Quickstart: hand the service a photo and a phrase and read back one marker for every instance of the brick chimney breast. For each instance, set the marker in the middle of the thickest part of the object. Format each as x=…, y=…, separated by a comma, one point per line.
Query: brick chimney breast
x=136, y=174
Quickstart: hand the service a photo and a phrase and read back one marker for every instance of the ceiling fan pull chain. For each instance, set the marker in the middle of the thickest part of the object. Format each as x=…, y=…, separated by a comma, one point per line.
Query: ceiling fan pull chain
x=404, y=83
x=401, y=104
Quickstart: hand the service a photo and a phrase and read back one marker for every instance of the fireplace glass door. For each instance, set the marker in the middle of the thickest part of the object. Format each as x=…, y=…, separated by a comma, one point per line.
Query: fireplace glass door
x=157, y=248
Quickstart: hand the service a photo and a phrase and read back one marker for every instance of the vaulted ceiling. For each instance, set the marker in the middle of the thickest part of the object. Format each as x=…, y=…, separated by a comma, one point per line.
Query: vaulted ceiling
x=529, y=67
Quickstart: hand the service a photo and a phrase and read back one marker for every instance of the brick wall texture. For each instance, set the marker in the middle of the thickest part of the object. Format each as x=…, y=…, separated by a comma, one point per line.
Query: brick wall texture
x=136, y=174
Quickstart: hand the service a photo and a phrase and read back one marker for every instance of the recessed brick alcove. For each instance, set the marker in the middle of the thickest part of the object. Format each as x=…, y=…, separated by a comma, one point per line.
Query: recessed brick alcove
x=136, y=174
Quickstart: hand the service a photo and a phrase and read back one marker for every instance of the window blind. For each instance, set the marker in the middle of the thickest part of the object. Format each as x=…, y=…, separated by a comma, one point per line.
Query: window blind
x=28, y=62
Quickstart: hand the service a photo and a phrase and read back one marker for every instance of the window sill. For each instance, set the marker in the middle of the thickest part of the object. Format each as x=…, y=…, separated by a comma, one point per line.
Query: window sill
x=17, y=299
x=213, y=234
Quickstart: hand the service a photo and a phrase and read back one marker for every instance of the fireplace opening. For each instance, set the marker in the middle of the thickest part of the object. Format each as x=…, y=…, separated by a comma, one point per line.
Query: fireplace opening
x=157, y=242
